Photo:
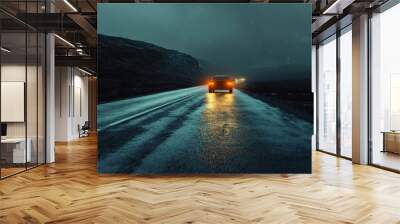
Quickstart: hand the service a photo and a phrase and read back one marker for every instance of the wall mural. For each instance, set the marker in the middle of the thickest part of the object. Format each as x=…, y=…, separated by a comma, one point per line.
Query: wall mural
x=204, y=88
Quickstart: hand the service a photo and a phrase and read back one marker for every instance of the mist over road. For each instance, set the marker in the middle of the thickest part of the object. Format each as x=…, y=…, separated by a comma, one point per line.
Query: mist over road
x=192, y=131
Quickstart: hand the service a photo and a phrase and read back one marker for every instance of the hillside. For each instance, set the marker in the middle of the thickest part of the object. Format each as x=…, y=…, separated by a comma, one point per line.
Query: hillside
x=129, y=68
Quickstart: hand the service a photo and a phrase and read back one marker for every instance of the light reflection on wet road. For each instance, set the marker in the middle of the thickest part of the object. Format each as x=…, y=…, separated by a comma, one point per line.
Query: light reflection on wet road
x=205, y=133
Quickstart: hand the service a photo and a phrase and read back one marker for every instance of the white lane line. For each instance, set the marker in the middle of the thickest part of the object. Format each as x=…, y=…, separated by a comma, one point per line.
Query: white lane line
x=115, y=123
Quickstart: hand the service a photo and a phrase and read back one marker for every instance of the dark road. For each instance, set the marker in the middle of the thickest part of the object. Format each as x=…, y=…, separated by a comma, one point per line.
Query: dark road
x=192, y=131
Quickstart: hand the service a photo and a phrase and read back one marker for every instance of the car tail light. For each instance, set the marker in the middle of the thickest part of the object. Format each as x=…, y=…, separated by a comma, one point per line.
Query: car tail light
x=230, y=83
x=210, y=83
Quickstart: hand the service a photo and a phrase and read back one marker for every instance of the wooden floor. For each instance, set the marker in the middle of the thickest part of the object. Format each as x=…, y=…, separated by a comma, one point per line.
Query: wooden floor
x=5, y=172
x=70, y=191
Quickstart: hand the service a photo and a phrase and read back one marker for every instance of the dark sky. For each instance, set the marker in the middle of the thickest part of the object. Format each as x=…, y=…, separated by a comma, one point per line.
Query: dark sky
x=241, y=36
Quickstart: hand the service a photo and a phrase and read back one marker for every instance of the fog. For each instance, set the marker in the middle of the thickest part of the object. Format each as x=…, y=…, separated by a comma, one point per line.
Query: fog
x=234, y=37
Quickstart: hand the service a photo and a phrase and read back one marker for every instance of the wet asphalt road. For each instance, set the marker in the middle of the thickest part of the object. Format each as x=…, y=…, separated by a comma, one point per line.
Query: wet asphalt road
x=192, y=131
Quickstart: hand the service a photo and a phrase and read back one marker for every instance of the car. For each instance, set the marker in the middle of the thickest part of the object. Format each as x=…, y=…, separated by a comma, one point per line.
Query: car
x=221, y=82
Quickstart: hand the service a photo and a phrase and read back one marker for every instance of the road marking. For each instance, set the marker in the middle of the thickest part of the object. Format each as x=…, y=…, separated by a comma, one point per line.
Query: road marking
x=115, y=123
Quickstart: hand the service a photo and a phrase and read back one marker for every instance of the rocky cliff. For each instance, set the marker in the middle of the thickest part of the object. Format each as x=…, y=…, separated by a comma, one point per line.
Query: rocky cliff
x=129, y=68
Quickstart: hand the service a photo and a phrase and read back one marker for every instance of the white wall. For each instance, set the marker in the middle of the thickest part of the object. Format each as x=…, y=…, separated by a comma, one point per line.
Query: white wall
x=62, y=82
x=81, y=98
x=33, y=127
x=14, y=72
x=71, y=102
x=17, y=72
